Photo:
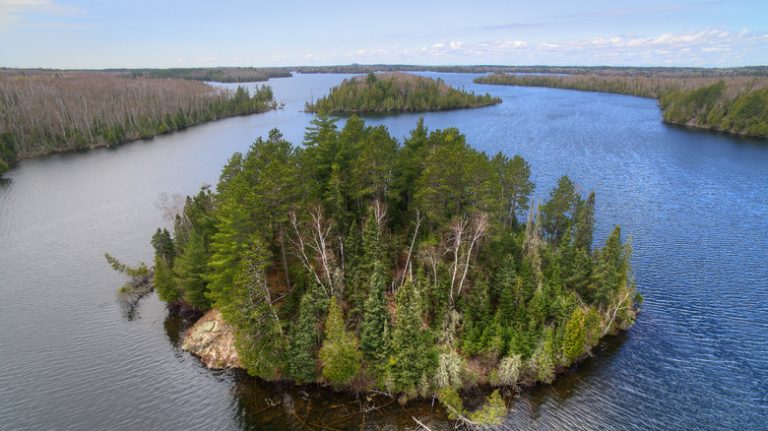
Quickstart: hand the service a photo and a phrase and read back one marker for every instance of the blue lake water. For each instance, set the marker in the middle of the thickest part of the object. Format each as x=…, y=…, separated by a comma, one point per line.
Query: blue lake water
x=695, y=203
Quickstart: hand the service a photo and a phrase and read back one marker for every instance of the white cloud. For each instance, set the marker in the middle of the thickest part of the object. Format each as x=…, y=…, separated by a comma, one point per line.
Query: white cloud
x=13, y=11
x=712, y=47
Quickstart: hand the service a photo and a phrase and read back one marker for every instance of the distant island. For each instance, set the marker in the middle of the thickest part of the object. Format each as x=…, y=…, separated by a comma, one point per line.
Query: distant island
x=718, y=101
x=396, y=92
x=45, y=112
x=415, y=270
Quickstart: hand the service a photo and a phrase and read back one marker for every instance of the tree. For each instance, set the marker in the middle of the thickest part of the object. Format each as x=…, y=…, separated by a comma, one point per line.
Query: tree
x=165, y=285
x=559, y=210
x=411, y=354
x=163, y=245
x=306, y=336
x=493, y=411
x=515, y=186
x=585, y=221
x=259, y=336
x=191, y=268
x=340, y=356
x=374, y=334
x=575, y=337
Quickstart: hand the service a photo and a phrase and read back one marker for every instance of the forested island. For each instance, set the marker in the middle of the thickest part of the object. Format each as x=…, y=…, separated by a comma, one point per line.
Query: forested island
x=48, y=112
x=417, y=269
x=731, y=104
x=396, y=92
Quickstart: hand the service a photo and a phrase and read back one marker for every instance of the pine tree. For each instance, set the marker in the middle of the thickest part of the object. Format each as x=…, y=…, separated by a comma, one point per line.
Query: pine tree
x=585, y=221
x=375, y=330
x=165, y=285
x=575, y=337
x=305, y=336
x=259, y=336
x=340, y=355
x=557, y=213
x=163, y=245
x=412, y=353
x=504, y=289
x=227, y=246
x=191, y=268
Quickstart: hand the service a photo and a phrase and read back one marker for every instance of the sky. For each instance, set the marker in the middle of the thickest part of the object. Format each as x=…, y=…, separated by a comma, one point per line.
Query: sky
x=192, y=33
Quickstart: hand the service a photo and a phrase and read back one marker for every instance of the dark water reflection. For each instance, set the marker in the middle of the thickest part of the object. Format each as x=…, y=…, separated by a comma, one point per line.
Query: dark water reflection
x=695, y=203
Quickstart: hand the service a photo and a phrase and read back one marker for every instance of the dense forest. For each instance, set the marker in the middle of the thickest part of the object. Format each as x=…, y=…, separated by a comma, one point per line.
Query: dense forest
x=414, y=269
x=43, y=113
x=569, y=70
x=396, y=92
x=213, y=74
x=736, y=104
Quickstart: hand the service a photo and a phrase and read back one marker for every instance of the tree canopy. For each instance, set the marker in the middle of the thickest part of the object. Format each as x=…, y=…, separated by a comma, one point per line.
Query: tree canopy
x=396, y=92
x=414, y=268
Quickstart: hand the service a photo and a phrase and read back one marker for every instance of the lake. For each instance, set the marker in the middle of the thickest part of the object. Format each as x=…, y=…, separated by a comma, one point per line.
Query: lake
x=695, y=203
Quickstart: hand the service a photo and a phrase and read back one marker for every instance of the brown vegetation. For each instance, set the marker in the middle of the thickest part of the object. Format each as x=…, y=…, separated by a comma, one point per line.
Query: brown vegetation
x=45, y=112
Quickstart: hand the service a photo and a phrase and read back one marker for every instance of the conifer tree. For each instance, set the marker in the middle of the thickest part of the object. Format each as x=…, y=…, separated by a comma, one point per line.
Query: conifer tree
x=412, y=353
x=374, y=334
x=191, y=268
x=259, y=336
x=305, y=336
x=575, y=337
x=585, y=221
x=340, y=355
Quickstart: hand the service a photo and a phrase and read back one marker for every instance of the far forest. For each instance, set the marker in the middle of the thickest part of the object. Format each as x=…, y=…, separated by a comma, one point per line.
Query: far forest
x=47, y=112
x=417, y=269
x=731, y=104
x=396, y=92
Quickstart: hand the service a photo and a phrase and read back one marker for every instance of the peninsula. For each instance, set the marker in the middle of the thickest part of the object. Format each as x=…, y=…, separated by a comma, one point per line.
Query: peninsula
x=736, y=104
x=44, y=112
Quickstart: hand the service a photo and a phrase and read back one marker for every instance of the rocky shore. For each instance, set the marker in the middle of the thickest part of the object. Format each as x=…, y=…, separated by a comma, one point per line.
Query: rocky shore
x=213, y=341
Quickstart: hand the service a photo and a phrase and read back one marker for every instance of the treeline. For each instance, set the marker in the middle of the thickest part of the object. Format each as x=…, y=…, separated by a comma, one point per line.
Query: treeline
x=736, y=105
x=43, y=113
x=213, y=74
x=366, y=264
x=396, y=92
x=569, y=70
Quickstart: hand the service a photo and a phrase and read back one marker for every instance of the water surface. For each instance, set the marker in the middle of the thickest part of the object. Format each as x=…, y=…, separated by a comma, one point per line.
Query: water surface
x=696, y=205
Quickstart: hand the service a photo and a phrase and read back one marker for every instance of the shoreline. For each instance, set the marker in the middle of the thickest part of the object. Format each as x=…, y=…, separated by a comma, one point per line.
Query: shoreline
x=55, y=152
x=212, y=360
x=687, y=125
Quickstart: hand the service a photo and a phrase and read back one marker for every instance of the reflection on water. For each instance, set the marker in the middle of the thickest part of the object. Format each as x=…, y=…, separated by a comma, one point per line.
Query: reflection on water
x=261, y=405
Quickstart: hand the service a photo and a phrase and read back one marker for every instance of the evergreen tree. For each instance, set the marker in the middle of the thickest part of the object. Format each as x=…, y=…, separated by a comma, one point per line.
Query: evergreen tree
x=412, y=353
x=191, y=268
x=163, y=245
x=259, y=336
x=585, y=221
x=374, y=334
x=165, y=285
x=575, y=336
x=557, y=213
x=305, y=336
x=340, y=355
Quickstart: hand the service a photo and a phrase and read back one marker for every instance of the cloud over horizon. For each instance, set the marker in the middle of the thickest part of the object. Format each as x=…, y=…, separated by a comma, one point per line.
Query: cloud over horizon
x=145, y=33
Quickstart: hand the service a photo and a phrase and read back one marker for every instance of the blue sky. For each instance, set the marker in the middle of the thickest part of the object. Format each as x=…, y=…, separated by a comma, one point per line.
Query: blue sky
x=141, y=33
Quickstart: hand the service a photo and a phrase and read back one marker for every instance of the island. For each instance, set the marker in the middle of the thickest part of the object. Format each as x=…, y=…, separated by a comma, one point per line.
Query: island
x=396, y=92
x=730, y=103
x=45, y=112
x=413, y=269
